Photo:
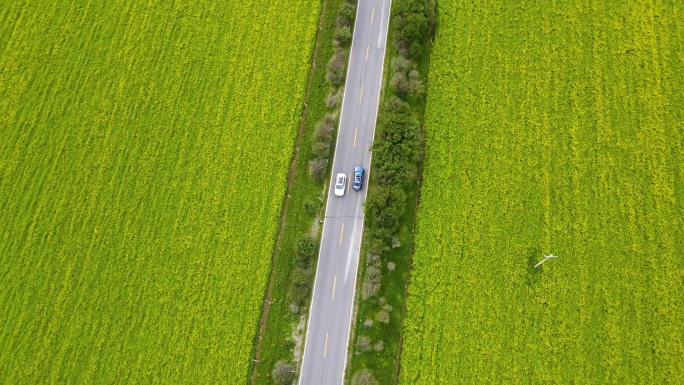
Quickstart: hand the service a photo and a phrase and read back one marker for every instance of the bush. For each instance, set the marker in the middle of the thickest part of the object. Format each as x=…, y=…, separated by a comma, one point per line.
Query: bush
x=400, y=84
x=402, y=64
x=364, y=377
x=321, y=149
x=375, y=245
x=414, y=23
x=372, y=281
x=383, y=316
x=364, y=344
x=373, y=272
x=299, y=286
x=298, y=296
x=384, y=208
x=306, y=248
x=289, y=344
x=331, y=119
x=370, y=289
x=318, y=168
x=310, y=207
x=411, y=31
x=416, y=87
x=325, y=128
x=396, y=146
x=283, y=373
x=345, y=15
x=334, y=99
x=406, y=80
x=343, y=36
x=300, y=277
x=336, y=67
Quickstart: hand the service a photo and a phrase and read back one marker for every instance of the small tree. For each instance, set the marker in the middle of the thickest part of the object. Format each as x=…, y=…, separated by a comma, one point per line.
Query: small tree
x=400, y=84
x=336, y=66
x=415, y=84
x=318, y=169
x=325, y=128
x=283, y=373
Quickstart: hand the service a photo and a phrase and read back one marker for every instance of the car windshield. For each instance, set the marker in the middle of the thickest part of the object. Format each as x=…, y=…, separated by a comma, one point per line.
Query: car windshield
x=340, y=181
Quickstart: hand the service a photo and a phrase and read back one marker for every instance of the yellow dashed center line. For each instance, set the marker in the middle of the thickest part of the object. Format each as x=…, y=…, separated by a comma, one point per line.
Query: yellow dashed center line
x=348, y=184
x=367, y=49
x=372, y=14
x=361, y=97
x=325, y=349
x=341, y=233
x=355, y=132
x=334, y=285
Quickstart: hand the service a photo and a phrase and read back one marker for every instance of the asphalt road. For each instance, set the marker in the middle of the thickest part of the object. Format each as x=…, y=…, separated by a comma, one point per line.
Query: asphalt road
x=325, y=349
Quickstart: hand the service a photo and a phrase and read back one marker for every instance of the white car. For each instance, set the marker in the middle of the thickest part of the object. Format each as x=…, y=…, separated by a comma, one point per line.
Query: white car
x=340, y=184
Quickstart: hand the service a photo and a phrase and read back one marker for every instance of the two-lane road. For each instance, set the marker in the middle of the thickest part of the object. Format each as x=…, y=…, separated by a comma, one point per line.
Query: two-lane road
x=325, y=349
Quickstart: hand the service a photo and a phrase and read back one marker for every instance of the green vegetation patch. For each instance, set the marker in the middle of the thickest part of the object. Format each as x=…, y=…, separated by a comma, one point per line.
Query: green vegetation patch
x=551, y=128
x=144, y=151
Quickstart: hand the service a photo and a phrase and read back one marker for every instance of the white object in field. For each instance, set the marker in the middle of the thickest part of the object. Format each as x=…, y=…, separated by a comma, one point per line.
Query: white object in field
x=545, y=258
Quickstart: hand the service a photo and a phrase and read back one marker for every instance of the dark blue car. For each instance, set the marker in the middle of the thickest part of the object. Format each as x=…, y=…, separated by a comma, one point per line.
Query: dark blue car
x=358, y=178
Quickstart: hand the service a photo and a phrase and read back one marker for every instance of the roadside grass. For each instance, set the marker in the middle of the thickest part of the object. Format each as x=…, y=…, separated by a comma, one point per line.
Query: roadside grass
x=383, y=362
x=277, y=341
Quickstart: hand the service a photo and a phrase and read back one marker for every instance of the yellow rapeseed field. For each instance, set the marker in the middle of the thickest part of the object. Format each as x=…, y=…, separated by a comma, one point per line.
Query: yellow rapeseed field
x=552, y=127
x=144, y=149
